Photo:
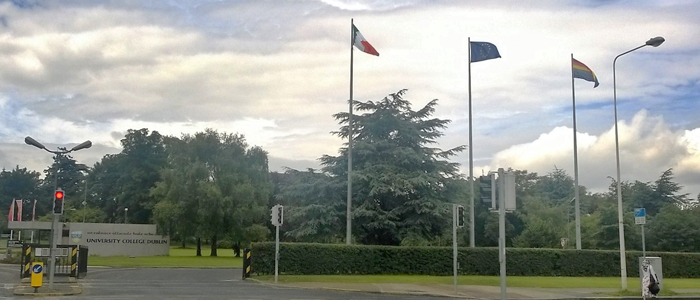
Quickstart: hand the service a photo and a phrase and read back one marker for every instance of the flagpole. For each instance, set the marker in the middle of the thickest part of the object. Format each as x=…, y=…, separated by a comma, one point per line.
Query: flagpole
x=576, y=191
x=348, y=230
x=471, y=156
x=33, y=214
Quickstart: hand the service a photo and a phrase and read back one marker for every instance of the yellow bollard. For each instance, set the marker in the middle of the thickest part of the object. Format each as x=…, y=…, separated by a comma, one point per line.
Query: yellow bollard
x=37, y=277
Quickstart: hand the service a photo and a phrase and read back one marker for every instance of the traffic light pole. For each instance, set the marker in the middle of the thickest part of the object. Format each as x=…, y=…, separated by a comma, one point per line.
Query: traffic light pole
x=277, y=251
x=454, y=244
x=54, y=225
x=52, y=251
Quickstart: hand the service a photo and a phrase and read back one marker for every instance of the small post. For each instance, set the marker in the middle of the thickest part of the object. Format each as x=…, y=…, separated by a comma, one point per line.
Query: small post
x=277, y=251
x=644, y=244
x=246, y=263
x=454, y=245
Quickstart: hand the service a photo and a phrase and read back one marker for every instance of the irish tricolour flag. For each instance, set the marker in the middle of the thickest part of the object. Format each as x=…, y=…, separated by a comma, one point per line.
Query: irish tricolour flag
x=359, y=41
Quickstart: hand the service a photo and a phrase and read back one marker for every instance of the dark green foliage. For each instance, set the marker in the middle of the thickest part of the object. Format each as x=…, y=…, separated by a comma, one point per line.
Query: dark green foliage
x=328, y=259
x=398, y=179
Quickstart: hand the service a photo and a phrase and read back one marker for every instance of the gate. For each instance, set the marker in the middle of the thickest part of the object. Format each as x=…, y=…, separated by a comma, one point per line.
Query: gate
x=66, y=259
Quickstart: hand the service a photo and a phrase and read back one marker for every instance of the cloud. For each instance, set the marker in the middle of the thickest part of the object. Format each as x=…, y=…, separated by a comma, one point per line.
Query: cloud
x=648, y=147
x=276, y=71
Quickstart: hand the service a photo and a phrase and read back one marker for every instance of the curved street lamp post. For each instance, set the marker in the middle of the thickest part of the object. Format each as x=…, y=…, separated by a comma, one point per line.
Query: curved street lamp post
x=654, y=42
x=32, y=142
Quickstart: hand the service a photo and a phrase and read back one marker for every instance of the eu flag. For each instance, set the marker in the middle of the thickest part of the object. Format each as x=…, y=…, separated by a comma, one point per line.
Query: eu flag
x=483, y=51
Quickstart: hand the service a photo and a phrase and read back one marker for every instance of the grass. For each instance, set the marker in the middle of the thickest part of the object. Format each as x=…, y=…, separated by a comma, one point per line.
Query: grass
x=512, y=281
x=178, y=258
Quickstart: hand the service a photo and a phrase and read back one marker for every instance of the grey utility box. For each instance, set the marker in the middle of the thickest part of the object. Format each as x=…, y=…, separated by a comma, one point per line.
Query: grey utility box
x=655, y=263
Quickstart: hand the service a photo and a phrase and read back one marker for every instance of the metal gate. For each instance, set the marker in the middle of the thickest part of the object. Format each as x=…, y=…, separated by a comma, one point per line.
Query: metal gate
x=66, y=259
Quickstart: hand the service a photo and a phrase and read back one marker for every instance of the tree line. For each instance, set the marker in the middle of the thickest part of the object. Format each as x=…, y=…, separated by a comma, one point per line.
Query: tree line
x=212, y=187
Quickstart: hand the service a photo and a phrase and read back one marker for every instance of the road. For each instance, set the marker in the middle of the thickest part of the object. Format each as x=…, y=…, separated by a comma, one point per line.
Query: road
x=169, y=283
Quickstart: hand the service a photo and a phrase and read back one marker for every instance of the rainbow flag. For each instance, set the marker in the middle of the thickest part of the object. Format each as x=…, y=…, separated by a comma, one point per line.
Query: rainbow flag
x=582, y=71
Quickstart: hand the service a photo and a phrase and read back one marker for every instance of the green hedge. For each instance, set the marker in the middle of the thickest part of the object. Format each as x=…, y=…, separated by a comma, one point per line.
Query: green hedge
x=326, y=259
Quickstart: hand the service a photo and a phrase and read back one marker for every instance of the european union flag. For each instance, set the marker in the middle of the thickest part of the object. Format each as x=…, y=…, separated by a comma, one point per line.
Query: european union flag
x=483, y=51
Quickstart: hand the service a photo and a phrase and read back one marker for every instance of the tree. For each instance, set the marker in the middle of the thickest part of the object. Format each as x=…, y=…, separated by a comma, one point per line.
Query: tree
x=398, y=180
x=214, y=183
x=556, y=186
x=545, y=224
x=143, y=157
x=124, y=180
x=20, y=183
x=314, y=205
x=673, y=229
x=65, y=174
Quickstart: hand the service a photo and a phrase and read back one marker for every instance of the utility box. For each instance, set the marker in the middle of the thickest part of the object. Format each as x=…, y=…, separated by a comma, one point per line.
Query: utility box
x=655, y=263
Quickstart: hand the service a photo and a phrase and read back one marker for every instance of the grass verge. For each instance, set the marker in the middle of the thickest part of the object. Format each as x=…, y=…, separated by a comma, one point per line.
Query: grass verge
x=178, y=258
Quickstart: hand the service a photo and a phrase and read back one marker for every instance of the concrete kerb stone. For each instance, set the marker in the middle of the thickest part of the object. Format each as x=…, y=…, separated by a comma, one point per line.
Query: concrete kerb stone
x=57, y=290
x=378, y=290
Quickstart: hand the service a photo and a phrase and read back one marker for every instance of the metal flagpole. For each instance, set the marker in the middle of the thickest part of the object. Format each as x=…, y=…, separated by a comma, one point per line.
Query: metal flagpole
x=576, y=191
x=348, y=231
x=471, y=156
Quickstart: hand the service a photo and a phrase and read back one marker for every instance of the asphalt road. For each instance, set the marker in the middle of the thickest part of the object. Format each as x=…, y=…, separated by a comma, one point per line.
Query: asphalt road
x=168, y=283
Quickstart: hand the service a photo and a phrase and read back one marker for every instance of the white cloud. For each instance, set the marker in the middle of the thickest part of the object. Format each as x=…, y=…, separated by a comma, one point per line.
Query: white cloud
x=648, y=147
x=277, y=71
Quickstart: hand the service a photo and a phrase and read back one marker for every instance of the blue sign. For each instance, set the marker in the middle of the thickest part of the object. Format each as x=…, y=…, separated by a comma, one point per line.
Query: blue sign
x=37, y=269
x=640, y=212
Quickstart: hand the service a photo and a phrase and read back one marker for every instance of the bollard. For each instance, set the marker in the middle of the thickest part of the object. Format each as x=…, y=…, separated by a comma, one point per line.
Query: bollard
x=247, y=258
x=26, y=260
x=74, y=261
x=37, y=275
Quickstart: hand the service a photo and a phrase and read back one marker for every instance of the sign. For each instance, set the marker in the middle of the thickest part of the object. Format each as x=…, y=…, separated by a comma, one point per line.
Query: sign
x=75, y=236
x=640, y=216
x=14, y=244
x=37, y=276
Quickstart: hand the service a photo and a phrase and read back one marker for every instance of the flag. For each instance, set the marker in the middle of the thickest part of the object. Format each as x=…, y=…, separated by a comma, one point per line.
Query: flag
x=19, y=210
x=483, y=51
x=582, y=71
x=11, y=216
x=361, y=43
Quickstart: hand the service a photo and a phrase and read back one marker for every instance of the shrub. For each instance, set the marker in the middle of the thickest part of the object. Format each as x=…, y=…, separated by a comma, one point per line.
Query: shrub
x=327, y=259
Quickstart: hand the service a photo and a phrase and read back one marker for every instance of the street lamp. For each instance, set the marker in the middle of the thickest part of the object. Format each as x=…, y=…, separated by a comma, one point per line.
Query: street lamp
x=126, y=209
x=654, y=42
x=84, y=145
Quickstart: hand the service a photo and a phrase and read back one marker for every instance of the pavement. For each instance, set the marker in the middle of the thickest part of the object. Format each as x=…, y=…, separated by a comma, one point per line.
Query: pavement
x=476, y=292
x=62, y=286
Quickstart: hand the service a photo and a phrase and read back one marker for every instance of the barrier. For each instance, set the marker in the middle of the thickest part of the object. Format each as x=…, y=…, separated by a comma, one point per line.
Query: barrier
x=247, y=258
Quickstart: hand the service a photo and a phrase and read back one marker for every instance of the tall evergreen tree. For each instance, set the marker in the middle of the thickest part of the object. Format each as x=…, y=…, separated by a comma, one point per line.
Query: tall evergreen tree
x=398, y=179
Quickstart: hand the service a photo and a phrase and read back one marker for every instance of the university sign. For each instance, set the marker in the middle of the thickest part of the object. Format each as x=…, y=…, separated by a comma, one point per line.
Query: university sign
x=123, y=239
x=105, y=239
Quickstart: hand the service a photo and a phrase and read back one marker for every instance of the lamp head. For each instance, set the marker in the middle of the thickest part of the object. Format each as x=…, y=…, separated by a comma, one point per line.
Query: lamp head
x=83, y=145
x=655, y=42
x=30, y=141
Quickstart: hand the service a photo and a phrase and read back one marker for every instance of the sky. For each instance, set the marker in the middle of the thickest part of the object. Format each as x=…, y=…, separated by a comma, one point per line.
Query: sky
x=276, y=72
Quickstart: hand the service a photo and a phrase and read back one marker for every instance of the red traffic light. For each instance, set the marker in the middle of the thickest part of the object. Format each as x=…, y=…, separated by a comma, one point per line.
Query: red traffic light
x=59, y=194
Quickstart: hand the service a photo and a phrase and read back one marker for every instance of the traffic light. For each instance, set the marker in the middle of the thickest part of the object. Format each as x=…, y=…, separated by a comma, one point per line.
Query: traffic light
x=277, y=215
x=58, y=197
x=460, y=216
x=485, y=189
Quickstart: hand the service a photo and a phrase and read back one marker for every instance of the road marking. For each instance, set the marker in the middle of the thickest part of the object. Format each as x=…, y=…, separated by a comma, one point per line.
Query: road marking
x=8, y=286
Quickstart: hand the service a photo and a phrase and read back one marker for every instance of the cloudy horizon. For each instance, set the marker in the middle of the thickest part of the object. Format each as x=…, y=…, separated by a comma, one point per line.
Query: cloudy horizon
x=276, y=72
